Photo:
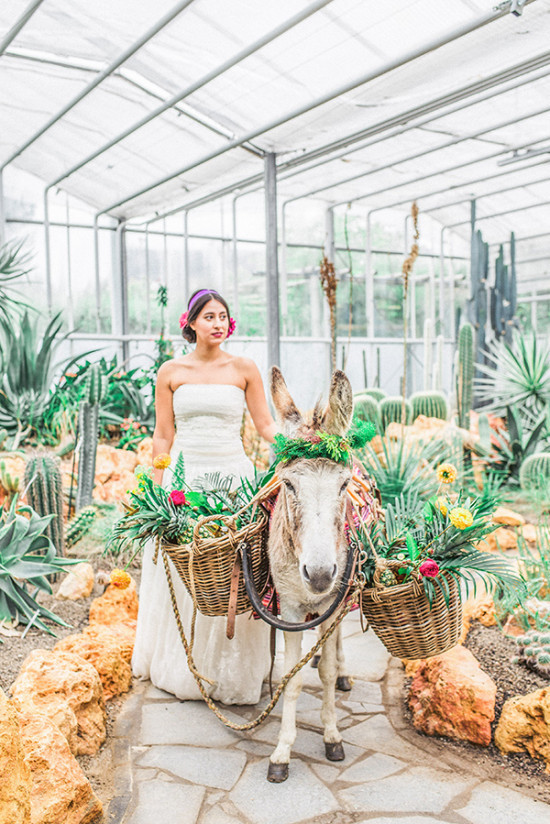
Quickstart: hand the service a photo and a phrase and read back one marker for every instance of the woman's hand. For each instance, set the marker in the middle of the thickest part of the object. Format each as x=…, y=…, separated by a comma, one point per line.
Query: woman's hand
x=163, y=436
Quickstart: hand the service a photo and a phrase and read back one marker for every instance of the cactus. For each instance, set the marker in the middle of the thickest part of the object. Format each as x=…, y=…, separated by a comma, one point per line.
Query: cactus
x=45, y=494
x=484, y=429
x=88, y=429
x=10, y=485
x=391, y=408
x=534, y=652
x=534, y=472
x=465, y=375
x=431, y=404
x=375, y=393
x=95, y=386
x=367, y=408
x=477, y=304
x=3, y=437
x=504, y=294
x=79, y=525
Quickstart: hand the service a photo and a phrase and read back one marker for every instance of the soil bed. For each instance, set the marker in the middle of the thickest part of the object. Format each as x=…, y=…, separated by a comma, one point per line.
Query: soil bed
x=494, y=651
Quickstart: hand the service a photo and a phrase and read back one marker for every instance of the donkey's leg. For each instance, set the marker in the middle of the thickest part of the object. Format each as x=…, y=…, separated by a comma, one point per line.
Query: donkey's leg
x=343, y=681
x=278, y=763
x=328, y=671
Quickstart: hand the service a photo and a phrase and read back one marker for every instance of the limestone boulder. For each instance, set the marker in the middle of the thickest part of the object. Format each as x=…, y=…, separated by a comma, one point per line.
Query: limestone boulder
x=502, y=515
x=480, y=609
x=78, y=583
x=67, y=689
x=529, y=533
x=60, y=792
x=144, y=452
x=112, y=462
x=450, y=695
x=15, y=775
x=115, y=606
x=100, y=646
x=502, y=539
x=524, y=725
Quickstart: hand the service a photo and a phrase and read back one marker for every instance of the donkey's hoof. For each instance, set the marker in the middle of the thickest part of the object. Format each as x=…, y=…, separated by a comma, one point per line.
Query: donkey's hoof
x=315, y=661
x=334, y=752
x=343, y=683
x=277, y=773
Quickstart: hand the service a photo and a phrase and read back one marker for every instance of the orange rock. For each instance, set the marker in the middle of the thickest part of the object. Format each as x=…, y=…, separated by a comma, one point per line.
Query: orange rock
x=503, y=538
x=144, y=452
x=480, y=609
x=61, y=793
x=115, y=488
x=112, y=462
x=524, y=725
x=450, y=695
x=99, y=645
x=78, y=583
x=115, y=606
x=529, y=532
x=67, y=689
x=502, y=515
x=15, y=775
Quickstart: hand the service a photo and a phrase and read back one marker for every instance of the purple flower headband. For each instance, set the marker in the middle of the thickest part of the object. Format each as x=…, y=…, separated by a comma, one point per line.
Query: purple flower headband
x=185, y=317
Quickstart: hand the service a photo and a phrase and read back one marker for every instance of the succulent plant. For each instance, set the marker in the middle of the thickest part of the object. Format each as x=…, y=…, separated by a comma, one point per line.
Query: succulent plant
x=431, y=404
x=391, y=408
x=367, y=408
x=79, y=525
x=45, y=494
x=375, y=393
x=534, y=652
x=534, y=472
x=465, y=375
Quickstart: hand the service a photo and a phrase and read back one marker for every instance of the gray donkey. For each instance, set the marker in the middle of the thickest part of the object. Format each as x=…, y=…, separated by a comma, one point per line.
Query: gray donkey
x=307, y=552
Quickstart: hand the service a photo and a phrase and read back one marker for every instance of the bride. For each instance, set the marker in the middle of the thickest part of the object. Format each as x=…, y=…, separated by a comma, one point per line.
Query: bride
x=199, y=401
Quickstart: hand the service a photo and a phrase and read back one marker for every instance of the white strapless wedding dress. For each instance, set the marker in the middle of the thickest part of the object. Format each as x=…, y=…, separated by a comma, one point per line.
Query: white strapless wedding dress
x=208, y=421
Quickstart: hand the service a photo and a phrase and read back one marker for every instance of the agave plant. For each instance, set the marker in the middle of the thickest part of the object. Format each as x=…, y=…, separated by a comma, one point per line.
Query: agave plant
x=13, y=265
x=512, y=447
x=27, y=557
x=518, y=374
x=402, y=469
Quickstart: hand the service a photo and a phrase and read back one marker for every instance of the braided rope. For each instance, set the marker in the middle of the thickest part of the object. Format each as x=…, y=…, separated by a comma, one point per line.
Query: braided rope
x=277, y=694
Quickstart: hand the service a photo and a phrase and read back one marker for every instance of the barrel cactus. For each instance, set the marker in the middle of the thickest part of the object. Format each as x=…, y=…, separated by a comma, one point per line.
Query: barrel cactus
x=534, y=472
x=375, y=393
x=45, y=494
x=431, y=404
x=534, y=652
x=391, y=409
x=465, y=375
x=79, y=525
x=367, y=408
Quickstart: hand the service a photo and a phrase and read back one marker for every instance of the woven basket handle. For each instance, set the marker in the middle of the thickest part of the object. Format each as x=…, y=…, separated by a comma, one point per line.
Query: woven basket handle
x=197, y=539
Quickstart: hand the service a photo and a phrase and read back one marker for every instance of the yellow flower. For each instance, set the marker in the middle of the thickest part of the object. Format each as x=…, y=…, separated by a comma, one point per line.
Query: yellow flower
x=446, y=473
x=443, y=505
x=162, y=461
x=460, y=517
x=120, y=578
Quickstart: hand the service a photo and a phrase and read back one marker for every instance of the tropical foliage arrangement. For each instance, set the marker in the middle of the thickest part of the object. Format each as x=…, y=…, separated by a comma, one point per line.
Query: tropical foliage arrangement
x=323, y=445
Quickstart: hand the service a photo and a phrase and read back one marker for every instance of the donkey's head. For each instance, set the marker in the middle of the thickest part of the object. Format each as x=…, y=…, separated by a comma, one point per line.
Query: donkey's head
x=311, y=506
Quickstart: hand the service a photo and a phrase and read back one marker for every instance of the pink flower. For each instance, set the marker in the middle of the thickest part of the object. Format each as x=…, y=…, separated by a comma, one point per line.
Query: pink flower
x=177, y=496
x=126, y=423
x=183, y=320
x=429, y=568
x=312, y=437
x=232, y=327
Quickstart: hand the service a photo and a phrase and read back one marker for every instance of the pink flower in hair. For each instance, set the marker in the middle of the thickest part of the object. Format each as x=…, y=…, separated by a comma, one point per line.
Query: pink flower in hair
x=232, y=327
x=183, y=320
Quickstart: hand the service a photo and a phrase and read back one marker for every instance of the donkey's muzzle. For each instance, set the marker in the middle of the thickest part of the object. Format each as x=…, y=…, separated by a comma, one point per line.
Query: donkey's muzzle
x=319, y=579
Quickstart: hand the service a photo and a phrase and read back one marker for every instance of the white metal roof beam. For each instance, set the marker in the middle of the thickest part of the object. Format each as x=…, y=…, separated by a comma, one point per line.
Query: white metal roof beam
x=432, y=45
x=18, y=25
x=131, y=50
x=198, y=84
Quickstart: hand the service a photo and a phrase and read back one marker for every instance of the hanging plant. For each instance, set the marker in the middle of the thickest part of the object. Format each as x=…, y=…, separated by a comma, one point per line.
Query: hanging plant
x=406, y=272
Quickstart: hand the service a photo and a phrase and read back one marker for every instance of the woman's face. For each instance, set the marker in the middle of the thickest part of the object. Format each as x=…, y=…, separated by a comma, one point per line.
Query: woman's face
x=212, y=323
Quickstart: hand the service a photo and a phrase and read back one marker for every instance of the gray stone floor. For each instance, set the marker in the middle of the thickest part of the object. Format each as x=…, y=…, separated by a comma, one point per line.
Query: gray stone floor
x=175, y=763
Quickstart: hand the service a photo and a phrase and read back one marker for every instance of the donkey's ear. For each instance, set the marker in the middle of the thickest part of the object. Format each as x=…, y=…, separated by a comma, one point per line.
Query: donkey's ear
x=337, y=418
x=288, y=414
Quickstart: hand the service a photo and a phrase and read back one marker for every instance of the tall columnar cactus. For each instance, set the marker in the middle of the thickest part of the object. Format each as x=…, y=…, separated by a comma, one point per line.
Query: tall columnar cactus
x=534, y=652
x=534, y=472
x=391, y=408
x=45, y=494
x=431, y=404
x=484, y=429
x=88, y=435
x=465, y=375
x=477, y=305
x=504, y=294
x=367, y=408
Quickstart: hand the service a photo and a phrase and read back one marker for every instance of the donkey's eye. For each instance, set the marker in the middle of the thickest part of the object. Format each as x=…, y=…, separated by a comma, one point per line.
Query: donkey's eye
x=289, y=486
x=344, y=487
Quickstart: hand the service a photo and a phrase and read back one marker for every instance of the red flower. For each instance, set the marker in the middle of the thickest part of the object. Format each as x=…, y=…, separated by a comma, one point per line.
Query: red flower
x=177, y=496
x=429, y=568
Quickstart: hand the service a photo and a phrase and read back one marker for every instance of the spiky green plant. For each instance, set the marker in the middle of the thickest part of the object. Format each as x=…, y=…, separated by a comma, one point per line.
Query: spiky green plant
x=534, y=652
x=534, y=472
x=517, y=374
x=14, y=264
x=465, y=375
x=431, y=404
x=45, y=494
x=403, y=469
x=375, y=393
x=512, y=448
x=391, y=411
x=27, y=558
x=79, y=525
x=367, y=408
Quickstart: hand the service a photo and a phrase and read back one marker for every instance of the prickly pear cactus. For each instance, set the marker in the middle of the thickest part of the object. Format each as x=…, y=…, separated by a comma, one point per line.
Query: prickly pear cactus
x=430, y=404
x=45, y=494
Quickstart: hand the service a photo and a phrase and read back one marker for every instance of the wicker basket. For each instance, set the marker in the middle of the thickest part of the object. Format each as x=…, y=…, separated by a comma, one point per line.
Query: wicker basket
x=206, y=565
x=401, y=616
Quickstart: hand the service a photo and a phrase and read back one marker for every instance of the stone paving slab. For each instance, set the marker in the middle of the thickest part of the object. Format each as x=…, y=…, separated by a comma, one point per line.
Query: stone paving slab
x=188, y=722
x=204, y=766
x=492, y=802
x=162, y=801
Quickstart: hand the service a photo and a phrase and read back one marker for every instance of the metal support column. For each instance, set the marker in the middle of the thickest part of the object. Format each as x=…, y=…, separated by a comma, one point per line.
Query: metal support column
x=119, y=307
x=272, y=268
x=369, y=279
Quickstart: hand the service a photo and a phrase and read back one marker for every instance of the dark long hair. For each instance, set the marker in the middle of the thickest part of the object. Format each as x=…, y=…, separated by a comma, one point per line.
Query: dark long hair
x=196, y=309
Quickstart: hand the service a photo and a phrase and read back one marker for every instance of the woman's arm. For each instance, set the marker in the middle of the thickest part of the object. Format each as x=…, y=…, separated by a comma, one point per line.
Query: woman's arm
x=163, y=436
x=257, y=403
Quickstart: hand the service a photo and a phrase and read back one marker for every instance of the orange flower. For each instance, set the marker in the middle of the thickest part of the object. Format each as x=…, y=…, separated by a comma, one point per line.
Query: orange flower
x=446, y=473
x=119, y=578
x=162, y=461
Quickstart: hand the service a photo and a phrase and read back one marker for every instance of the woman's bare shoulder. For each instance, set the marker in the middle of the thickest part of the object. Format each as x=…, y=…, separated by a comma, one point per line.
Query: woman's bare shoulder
x=170, y=367
x=246, y=366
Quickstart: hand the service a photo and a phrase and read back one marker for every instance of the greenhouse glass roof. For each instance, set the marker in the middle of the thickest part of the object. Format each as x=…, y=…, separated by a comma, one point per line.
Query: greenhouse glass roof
x=138, y=107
